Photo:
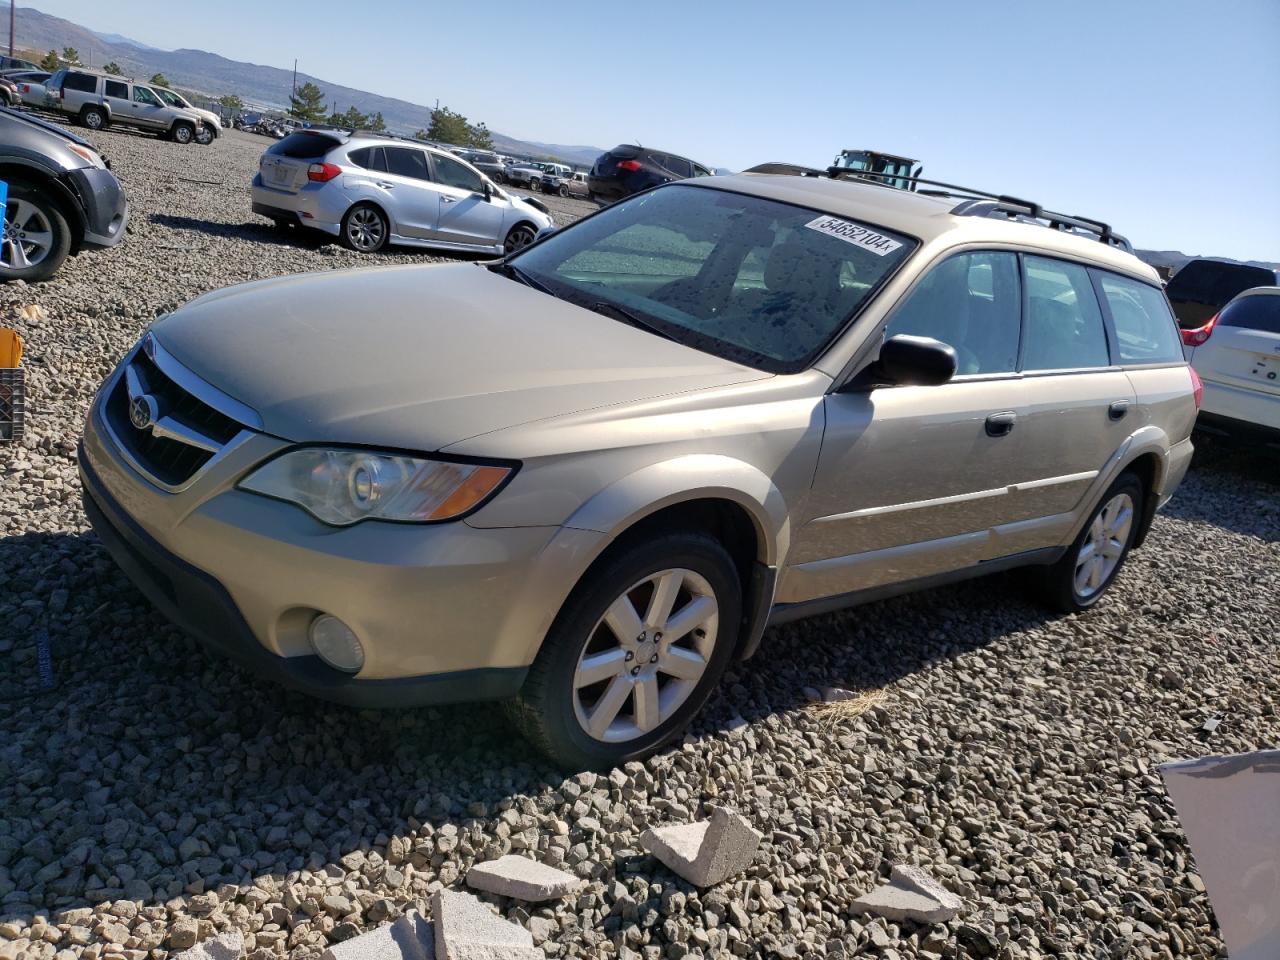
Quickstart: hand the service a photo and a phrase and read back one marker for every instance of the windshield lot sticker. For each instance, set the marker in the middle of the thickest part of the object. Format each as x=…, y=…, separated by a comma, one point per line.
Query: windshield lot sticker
x=855, y=233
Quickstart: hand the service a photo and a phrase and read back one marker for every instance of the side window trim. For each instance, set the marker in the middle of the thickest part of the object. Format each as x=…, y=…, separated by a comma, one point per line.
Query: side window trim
x=1108, y=321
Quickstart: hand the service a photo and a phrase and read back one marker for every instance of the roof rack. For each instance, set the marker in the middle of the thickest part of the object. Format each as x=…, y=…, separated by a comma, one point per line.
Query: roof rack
x=974, y=202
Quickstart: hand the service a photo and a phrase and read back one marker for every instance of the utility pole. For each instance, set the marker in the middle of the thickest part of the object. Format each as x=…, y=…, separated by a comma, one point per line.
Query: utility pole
x=12, y=5
x=295, y=76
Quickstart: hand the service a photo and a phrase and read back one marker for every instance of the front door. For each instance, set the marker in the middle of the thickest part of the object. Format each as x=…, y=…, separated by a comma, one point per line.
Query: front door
x=147, y=111
x=911, y=481
x=465, y=215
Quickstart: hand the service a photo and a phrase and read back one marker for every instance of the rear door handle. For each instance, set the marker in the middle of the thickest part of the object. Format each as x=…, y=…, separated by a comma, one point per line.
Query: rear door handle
x=1001, y=424
x=1118, y=409
x=449, y=199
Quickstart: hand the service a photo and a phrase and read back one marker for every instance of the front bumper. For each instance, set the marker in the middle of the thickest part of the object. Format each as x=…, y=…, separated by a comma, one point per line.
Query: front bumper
x=105, y=207
x=446, y=613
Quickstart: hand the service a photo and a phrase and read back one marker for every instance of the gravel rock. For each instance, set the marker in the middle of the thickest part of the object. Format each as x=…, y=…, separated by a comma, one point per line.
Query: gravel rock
x=466, y=929
x=523, y=879
x=228, y=946
x=910, y=894
x=156, y=772
x=708, y=852
x=409, y=938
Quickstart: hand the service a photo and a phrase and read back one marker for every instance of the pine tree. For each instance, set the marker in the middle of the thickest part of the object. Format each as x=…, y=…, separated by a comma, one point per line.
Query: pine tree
x=159, y=80
x=308, y=103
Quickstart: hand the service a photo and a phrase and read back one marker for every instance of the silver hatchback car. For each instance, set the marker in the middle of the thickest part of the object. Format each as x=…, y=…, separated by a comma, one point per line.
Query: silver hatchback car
x=370, y=190
x=586, y=478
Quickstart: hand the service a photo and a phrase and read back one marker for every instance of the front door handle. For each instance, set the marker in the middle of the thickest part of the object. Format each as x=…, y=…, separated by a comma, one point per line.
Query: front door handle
x=1118, y=409
x=384, y=185
x=1001, y=424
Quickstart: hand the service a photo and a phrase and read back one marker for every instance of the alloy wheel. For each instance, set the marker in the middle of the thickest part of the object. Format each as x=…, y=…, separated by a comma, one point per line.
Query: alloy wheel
x=1104, y=545
x=27, y=237
x=636, y=670
x=93, y=120
x=366, y=230
x=518, y=238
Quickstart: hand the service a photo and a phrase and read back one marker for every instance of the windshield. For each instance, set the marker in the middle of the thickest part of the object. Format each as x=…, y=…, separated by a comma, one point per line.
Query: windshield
x=755, y=281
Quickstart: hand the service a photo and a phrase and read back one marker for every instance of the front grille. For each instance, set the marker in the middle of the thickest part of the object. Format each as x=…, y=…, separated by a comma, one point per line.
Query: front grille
x=170, y=461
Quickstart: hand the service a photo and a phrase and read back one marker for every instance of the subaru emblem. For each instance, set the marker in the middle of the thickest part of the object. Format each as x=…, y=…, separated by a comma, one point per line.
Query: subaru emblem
x=143, y=411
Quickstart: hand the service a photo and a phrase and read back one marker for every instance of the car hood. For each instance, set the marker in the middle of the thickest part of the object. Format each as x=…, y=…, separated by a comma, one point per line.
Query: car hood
x=421, y=357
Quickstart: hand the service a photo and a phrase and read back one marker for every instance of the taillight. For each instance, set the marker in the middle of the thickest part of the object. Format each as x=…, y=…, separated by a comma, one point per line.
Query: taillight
x=629, y=165
x=1197, y=387
x=26, y=88
x=323, y=172
x=1198, y=335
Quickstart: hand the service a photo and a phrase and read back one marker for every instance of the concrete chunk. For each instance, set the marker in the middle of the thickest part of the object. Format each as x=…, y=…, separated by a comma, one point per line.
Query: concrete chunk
x=910, y=894
x=707, y=852
x=228, y=946
x=409, y=938
x=523, y=879
x=466, y=929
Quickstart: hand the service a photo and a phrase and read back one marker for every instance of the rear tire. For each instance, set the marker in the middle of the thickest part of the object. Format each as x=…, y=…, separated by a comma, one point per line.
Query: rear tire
x=95, y=118
x=1084, y=573
x=557, y=703
x=36, y=238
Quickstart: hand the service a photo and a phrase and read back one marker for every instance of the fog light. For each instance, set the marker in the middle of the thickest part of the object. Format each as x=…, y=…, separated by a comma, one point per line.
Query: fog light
x=336, y=643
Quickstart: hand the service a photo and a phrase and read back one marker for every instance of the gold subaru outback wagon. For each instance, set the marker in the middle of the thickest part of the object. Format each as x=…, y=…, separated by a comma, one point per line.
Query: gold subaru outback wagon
x=585, y=478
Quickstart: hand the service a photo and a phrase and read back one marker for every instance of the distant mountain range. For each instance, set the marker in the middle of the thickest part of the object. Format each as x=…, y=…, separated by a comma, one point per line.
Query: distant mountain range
x=258, y=85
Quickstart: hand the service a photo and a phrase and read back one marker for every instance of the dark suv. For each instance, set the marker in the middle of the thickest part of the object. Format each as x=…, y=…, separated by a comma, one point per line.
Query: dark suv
x=1203, y=287
x=628, y=169
x=63, y=198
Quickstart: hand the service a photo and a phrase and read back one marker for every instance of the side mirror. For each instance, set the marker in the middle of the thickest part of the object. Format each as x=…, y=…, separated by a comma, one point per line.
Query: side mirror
x=913, y=361
x=488, y=192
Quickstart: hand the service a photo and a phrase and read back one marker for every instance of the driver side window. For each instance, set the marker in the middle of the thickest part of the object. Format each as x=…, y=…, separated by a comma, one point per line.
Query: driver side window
x=972, y=302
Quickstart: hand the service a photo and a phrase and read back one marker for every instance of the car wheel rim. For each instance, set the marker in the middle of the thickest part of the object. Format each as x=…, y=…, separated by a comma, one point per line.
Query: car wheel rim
x=183, y=135
x=205, y=137
x=365, y=230
x=519, y=237
x=27, y=238
x=93, y=120
x=637, y=669
x=1103, y=545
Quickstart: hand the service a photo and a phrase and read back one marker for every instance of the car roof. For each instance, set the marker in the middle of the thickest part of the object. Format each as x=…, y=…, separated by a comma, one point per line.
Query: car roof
x=928, y=218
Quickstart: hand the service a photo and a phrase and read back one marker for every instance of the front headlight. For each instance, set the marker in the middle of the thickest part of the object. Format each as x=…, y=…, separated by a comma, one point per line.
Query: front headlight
x=342, y=487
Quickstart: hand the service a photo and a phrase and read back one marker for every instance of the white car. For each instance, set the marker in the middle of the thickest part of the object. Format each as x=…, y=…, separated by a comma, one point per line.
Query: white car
x=1237, y=356
x=212, y=122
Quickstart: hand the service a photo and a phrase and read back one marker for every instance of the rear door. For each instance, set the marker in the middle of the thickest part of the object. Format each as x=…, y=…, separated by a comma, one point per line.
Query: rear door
x=115, y=94
x=413, y=200
x=1080, y=404
x=465, y=215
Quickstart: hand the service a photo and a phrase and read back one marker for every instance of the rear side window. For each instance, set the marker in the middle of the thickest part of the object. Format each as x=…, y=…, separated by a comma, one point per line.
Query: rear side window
x=406, y=162
x=83, y=82
x=1260, y=311
x=1145, y=328
x=679, y=166
x=114, y=88
x=971, y=302
x=371, y=158
x=1064, y=329
x=304, y=146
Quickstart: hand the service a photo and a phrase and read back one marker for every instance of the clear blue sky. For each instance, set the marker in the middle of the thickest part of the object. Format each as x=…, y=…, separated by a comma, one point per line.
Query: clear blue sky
x=1162, y=117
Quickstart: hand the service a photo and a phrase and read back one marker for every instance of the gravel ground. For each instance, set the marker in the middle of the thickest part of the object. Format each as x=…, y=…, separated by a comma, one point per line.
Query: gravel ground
x=157, y=794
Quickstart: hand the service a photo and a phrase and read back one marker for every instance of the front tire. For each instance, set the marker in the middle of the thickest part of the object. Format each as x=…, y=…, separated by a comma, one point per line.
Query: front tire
x=183, y=133
x=205, y=136
x=519, y=237
x=634, y=653
x=365, y=228
x=1089, y=567
x=36, y=238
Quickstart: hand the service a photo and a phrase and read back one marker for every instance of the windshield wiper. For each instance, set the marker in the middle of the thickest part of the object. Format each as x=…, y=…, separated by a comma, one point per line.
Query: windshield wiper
x=634, y=319
x=515, y=273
